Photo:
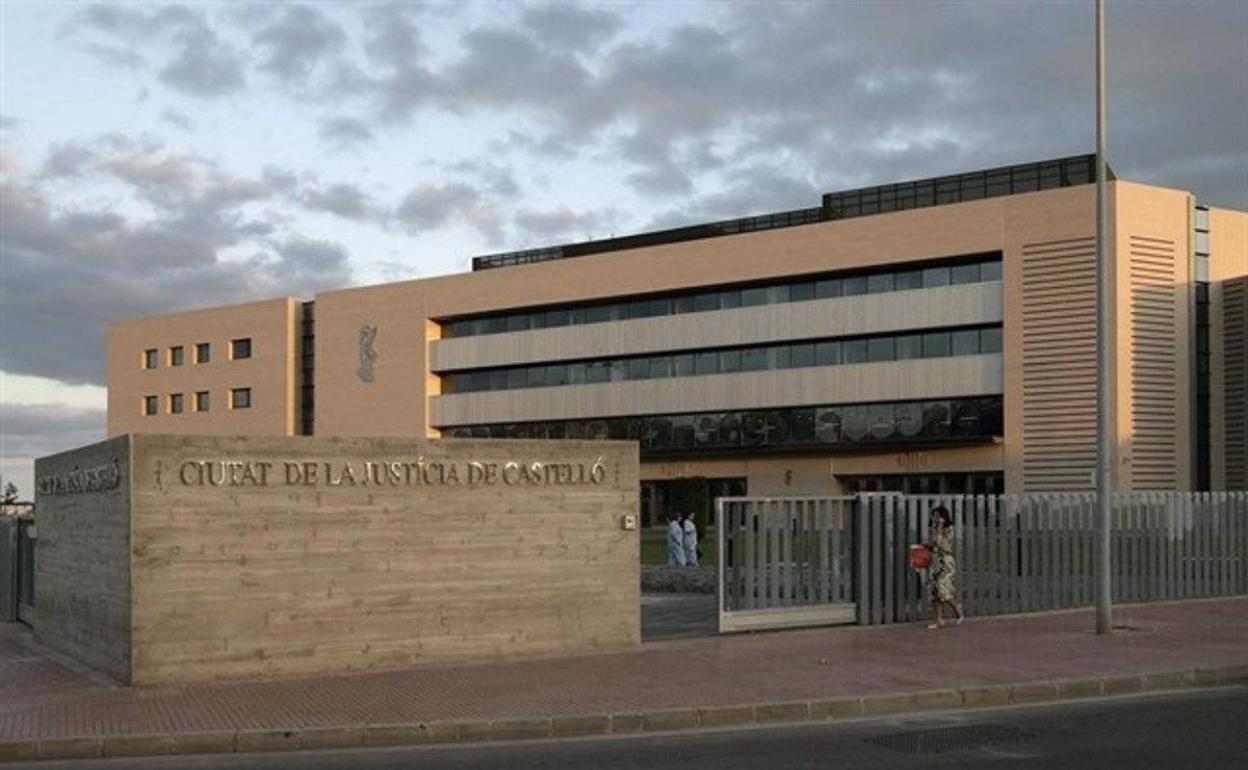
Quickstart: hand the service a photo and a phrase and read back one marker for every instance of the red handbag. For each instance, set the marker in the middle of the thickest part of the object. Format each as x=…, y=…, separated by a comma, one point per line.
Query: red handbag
x=920, y=557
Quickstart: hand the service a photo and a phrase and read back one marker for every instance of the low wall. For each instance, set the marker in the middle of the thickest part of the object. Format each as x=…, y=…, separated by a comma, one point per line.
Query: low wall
x=279, y=556
x=82, y=554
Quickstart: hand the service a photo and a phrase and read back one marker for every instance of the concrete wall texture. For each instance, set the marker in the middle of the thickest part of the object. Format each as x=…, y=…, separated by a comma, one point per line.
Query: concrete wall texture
x=276, y=556
x=82, y=554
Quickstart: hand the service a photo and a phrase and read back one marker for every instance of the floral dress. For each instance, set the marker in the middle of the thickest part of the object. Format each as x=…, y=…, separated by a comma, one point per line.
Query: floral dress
x=943, y=565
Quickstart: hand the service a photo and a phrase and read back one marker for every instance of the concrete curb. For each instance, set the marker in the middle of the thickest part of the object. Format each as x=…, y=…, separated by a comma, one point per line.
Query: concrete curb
x=658, y=721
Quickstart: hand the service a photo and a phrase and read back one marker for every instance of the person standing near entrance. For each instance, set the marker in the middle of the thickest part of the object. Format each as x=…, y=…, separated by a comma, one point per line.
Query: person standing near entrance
x=943, y=567
x=689, y=530
x=675, y=542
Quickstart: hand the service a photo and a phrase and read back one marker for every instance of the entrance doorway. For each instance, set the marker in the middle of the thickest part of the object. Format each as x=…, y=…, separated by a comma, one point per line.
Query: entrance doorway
x=661, y=497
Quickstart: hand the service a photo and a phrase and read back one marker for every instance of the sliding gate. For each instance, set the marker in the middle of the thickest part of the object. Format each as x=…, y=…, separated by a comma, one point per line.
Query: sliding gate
x=785, y=562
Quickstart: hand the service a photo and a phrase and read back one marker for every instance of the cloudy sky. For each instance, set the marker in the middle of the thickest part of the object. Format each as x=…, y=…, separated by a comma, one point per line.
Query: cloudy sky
x=157, y=156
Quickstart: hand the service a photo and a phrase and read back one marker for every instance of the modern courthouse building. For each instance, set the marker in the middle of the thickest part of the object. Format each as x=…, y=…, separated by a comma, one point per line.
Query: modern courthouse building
x=926, y=336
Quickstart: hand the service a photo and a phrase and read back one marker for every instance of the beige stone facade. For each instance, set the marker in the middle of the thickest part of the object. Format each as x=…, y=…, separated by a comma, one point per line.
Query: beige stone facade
x=1043, y=303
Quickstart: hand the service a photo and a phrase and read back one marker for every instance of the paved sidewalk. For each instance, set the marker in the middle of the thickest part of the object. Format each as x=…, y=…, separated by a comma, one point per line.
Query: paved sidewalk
x=740, y=679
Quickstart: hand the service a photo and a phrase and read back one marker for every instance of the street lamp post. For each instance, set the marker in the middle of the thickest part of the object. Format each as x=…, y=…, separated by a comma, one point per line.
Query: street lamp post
x=1104, y=380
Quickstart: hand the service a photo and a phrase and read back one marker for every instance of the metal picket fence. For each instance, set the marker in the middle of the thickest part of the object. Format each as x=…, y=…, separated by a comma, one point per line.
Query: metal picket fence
x=784, y=562
x=807, y=561
x=1025, y=553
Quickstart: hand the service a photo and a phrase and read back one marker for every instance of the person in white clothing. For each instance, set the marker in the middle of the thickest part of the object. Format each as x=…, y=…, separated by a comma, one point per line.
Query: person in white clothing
x=675, y=542
x=690, y=540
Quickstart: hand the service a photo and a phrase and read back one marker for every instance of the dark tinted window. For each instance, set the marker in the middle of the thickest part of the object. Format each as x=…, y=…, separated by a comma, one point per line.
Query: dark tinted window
x=878, y=284
x=755, y=296
x=827, y=353
x=730, y=361
x=880, y=349
x=935, y=344
x=802, y=292
x=990, y=340
x=990, y=271
x=852, y=287
x=828, y=288
x=909, y=346
x=911, y=279
x=936, y=276
x=753, y=359
x=706, y=363
x=961, y=274
x=966, y=342
x=240, y=348
x=853, y=351
x=802, y=354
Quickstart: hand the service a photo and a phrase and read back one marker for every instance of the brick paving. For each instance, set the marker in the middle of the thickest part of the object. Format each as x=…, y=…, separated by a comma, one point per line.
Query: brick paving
x=42, y=696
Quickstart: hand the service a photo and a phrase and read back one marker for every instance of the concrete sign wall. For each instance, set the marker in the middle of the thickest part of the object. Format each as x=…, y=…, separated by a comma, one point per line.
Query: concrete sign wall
x=274, y=556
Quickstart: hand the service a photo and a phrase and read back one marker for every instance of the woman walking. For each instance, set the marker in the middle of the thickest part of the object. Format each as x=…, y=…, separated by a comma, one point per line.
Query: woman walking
x=943, y=567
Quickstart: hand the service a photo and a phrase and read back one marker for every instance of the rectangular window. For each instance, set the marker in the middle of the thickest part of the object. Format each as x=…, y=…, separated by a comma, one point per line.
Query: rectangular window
x=557, y=374
x=175, y=403
x=853, y=287
x=910, y=279
x=800, y=292
x=730, y=299
x=935, y=276
x=965, y=274
x=780, y=357
x=175, y=355
x=754, y=359
x=878, y=284
x=827, y=353
x=556, y=318
x=909, y=346
x=706, y=301
x=151, y=405
x=730, y=361
x=802, y=354
x=827, y=289
x=240, y=348
x=151, y=358
x=990, y=271
x=990, y=340
x=880, y=349
x=201, y=401
x=240, y=398
x=639, y=368
x=854, y=351
x=706, y=363
x=683, y=304
x=778, y=294
x=517, y=378
x=597, y=314
x=936, y=344
x=752, y=297
x=682, y=364
x=203, y=353
x=966, y=342
x=661, y=366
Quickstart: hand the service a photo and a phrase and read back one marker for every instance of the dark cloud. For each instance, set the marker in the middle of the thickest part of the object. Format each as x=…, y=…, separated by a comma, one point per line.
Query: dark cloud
x=37, y=430
x=571, y=27
x=204, y=65
x=177, y=119
x=430, y=206
x=197, y=61
x=95, y=264
x=68, y=159
x=344, y=200
x=297, y=41
x=543, y=227
x=345, y=133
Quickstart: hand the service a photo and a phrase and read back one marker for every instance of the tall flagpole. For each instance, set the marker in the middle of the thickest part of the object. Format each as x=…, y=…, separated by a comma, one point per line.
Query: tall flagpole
x=1104, y=382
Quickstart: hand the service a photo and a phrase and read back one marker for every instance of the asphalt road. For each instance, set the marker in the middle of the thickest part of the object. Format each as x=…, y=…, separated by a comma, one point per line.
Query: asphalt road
x=676, y=616
x=1197, y=730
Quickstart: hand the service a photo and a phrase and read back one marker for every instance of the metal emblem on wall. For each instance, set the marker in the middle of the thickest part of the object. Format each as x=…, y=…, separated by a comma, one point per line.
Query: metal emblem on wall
x=368, y=355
